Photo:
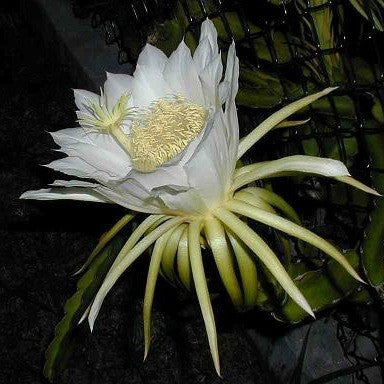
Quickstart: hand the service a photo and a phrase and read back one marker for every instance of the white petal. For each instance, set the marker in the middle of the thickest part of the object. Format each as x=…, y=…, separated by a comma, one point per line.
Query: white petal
x=71, y=192
x=153, y=58
x=115, y=86
x=98, y=151
x=203, y=54
x=208, y=31
x=173, y=176
x=210, y=78
x=181, y=75
x=73, y=183
x=148, y=86
x=232, y=126
x=188, y=201
x=129, y=201
x=83, y=97
x=296, y=164
x=224, y=89
x=232, y=72
x=309, y=164
x=213, y=158
x=73, y=166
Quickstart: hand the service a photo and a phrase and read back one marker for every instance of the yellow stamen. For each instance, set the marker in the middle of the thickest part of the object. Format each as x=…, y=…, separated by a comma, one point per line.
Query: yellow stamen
x=164, y=132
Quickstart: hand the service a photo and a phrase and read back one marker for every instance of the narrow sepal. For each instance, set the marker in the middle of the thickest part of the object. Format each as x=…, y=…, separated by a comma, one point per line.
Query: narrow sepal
x=153, y=271
x=119, y=269
x=217, y=241
x=292, y=229
x=265, y=254
x=202, y=290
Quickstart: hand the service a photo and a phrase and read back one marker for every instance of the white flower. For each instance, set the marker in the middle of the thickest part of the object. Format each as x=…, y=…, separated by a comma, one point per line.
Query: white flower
x=146, y=139
x=165, y=141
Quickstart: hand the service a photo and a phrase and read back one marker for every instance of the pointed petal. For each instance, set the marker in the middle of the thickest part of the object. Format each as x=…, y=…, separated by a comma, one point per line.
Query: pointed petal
x=153, y=58
x=74, y=190
x=217, y=241
x=202, y=290
x=208, y=31
x=210, y=78
x=203, y=54
x=247, y=268
x=181, y=75
x=232, y=72
x=83, y=97
x=183, y=263
x=276, y=118
x=98, y=154
x=65, y=194
x=265, y=254
x=357, y=184
x=153, y=271
x=169, y=254
x=297, y=163
x=135, y=252
x=292, y=229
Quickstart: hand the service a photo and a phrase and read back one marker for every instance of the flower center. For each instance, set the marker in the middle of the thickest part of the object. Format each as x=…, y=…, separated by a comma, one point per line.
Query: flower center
x=164, y=132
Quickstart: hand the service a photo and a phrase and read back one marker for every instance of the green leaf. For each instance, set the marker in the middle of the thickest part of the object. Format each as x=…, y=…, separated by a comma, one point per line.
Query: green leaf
x=322, y=288
x=59, y=351
x=377, y=111
x=373, y=246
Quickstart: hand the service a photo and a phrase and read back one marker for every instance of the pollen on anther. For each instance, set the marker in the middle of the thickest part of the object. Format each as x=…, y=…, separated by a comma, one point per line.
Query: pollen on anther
x=164, y=131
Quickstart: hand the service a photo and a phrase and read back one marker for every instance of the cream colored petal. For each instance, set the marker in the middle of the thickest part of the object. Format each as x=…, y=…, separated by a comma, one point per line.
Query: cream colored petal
x=134, y=253
x=153, y=58
x=73, y=193
x=203, y=54
x=265, y=254
x=99, y=151
x=297, y=163
x=208, y=31
x=181, y=75
x=202, y=291
x=292, y=229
